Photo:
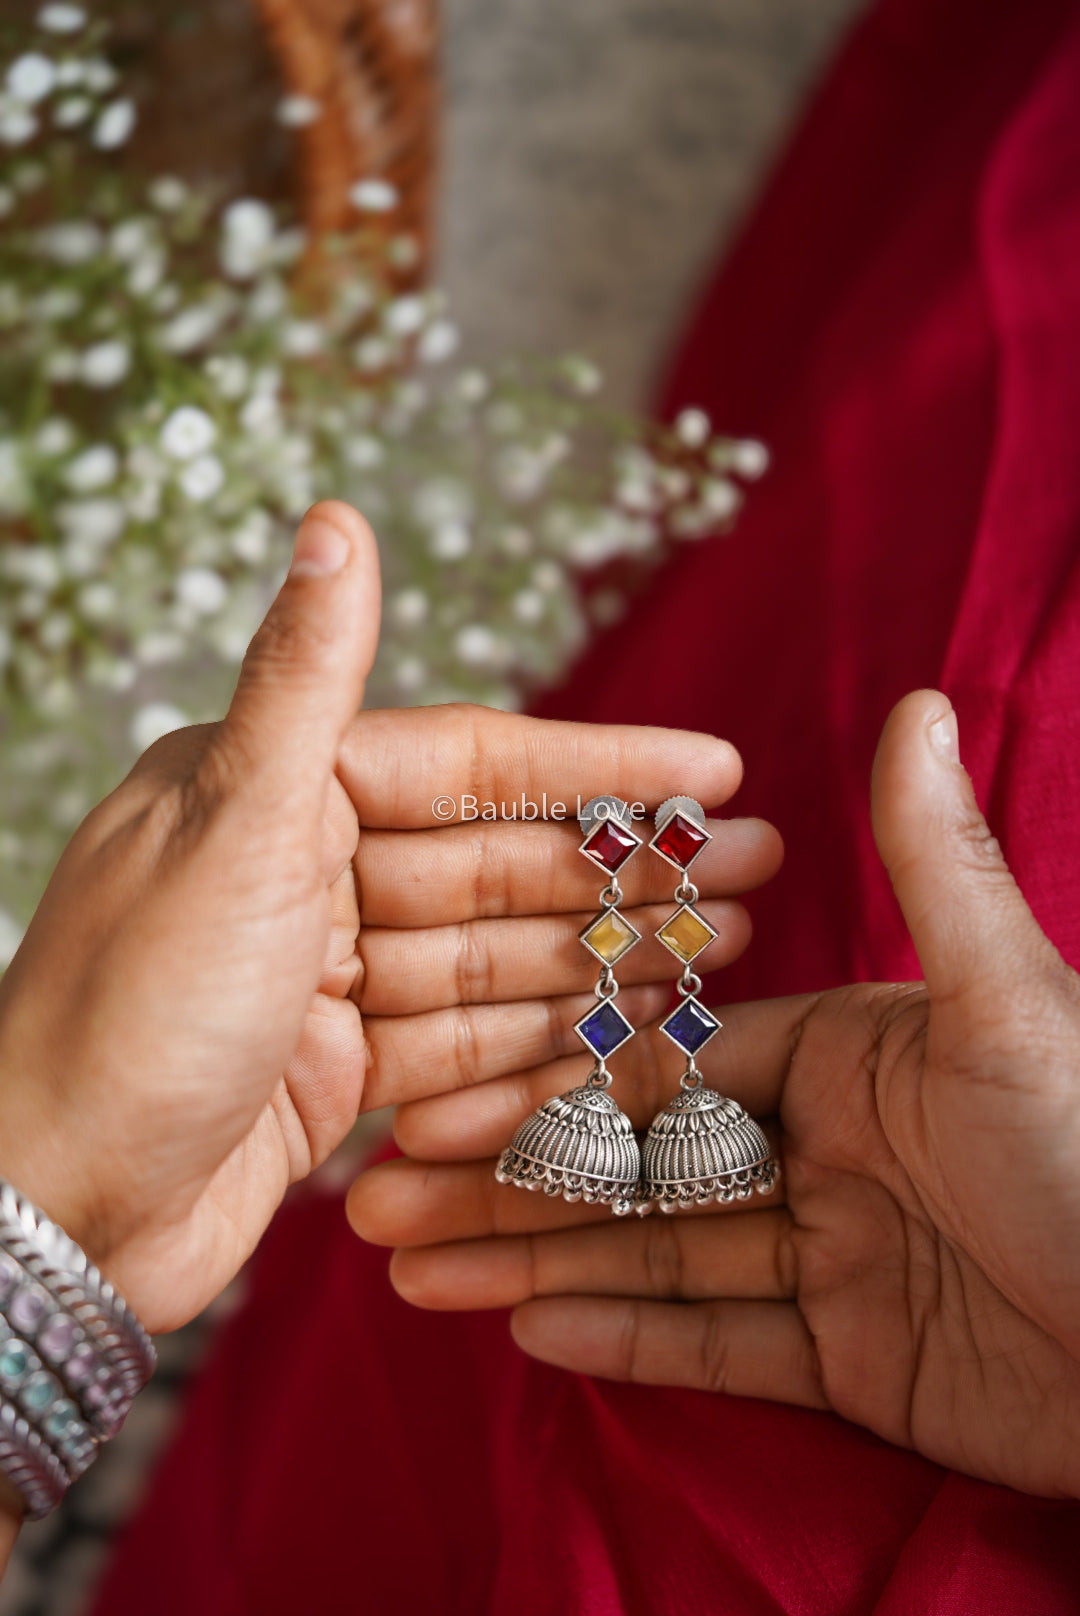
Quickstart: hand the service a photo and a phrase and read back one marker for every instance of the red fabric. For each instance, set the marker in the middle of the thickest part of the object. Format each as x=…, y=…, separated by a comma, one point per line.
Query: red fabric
x=902, y=323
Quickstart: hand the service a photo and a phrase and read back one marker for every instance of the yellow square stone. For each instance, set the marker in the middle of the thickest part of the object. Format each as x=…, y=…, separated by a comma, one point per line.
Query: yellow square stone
x=610, y=936
x=686, y=934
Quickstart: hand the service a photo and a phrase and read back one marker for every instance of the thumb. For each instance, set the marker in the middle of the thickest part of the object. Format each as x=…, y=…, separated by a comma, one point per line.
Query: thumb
x=973, y=931
x=303, y=678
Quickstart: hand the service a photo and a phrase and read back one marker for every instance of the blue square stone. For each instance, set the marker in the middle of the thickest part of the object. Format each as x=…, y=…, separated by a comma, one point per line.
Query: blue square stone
x=690, y=1026
x=604, y=1029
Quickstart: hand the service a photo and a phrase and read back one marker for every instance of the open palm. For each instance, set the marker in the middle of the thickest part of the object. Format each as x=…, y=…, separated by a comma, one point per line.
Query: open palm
x=915, y=1269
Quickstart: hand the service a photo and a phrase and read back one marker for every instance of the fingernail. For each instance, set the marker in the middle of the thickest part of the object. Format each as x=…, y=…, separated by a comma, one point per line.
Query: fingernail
x=321, y=549
x=944, y=734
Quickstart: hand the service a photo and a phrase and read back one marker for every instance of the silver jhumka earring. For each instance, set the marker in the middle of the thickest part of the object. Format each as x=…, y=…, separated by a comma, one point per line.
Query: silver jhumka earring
x=702, y=1146
x=580, y=1145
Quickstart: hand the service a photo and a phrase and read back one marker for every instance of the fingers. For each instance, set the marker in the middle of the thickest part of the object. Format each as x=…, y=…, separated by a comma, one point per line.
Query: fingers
x=745, y=1348
x=396, y=764
x=748, y=1060
x=974, y=933
x=469, y=872
x=488, y=961
x=408, y=1203
x=416, y=1055
x=684, y=1259
x=303, y=677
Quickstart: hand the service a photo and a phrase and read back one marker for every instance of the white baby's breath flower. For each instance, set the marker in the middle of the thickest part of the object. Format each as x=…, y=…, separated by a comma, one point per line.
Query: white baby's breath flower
x=153, y=721
x=95, y=468
x=37, y=568
x=250, y=542
x=201, y=590
x=17, y=124
x=72, y=242
x=58, y=303
x=104, y=364
x=261, y=416
x=61, y=18
x=167, y=193
x=69, y=73
x=442, y=499
x=438, y=342
x=95, y=522
x=374, y=196
x=97, y=601
x=720, y=498
x=229, y=373
x=549, y=577
x=478, y=646
x=72, y=111
x=750, y=459
x=692, y=428
x=54, y=437
x=191, y=328
x=298, y=111
x=364, y=452
x=409, y=674
x=31, y=77
x=202, y=478
x=450, y=541
x=302, y=339
x=404, y=316
x=129, y=238
x=114, y=125
x=187, y=432
x=409, y=607
x=145, y=274
x=372, y=354
x=144, y=502
x=528, y=605
x=582, y=375
x=99, y=75
x=158, y=649
x=54, y=632
x=473, y=386
x=247, y=235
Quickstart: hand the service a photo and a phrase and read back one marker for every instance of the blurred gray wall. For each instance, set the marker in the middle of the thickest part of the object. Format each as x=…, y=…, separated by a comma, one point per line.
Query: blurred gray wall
x=598, y=152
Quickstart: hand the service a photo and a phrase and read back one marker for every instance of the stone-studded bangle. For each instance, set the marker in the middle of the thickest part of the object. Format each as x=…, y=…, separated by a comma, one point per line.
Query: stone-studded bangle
x=60, y=1266
x=60, y=1345
x=30, y=1464
x=72, y=1354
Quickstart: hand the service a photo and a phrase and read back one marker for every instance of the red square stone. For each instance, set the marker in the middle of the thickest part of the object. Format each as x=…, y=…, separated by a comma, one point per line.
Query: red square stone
x=680, y=840
x=610, y=845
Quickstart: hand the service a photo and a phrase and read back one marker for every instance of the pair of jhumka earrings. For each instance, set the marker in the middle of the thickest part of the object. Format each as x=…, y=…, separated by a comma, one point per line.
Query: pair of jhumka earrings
x=702, y=1146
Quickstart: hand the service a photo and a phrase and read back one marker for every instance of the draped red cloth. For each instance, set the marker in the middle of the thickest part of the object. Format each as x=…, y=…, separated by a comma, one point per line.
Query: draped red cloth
x=901, y=322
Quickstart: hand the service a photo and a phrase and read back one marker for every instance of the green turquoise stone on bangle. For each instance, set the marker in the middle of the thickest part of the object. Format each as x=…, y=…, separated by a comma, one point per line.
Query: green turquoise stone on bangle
x=39, y=1392
x=15, y=1360
x=60, y=1421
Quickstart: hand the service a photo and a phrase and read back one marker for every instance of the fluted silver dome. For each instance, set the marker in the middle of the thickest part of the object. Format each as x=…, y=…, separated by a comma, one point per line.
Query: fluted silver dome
x=703, y=1147
x=578, y=1145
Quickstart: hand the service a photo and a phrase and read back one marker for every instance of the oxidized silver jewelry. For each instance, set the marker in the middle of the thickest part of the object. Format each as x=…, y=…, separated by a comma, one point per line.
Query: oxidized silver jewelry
x=580, y=1145
x=72, y=1355
x=702, y=1146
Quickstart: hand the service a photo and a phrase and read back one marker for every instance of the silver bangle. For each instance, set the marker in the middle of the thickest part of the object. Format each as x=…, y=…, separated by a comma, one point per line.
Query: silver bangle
x=30, y=1464
x=63, y=1268
x=72, y=1355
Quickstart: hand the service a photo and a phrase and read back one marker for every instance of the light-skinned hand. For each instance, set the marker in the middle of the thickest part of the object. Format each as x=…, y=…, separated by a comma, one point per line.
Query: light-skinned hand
x=916, y=1270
